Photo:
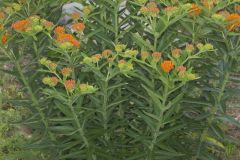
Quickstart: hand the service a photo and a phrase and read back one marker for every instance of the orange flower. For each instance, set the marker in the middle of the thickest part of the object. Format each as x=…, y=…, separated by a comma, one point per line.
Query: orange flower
x=121, y=62
x=170, y=10
x=2, y=15
x=195, y=10
x=144, y=55
x=4, y=38
x=96, y=57
x=1, y=27
x=154, y=10
x=59, y=30
x=151, y=8
x=181, y=69
x=54, y=80
x=21, y=25
x=76, y=43
x=66, y=71
x=49, y=25
x=189, y=48
x=52, y=66
x=64, y=37
x=152, y=5
x=176, y=52
x=167, y=66
x=70, y=85
x=157, y=55
x=106, y=53
x=78, y=27
x=235, y=21
x=238, y=8
x=110, y=59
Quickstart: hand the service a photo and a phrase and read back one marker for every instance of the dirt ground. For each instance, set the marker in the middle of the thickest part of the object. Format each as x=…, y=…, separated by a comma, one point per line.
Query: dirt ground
x=234, y=110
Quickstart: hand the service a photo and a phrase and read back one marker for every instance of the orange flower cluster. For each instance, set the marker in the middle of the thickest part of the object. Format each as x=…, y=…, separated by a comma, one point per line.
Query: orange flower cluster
x=63, y=37
x=70, y=85
x=235, y=21
x=176, y=52
x=189, y=48
x=51, y=81
x=238, y=8
x=49, y=25
x=151, y=8
x=52, y=66
x=59, y=30
x=4, y=38
x=106, y=53
x=96, y=57
x=21, y=25
x=66, y=71
x=78, y=27
x=2, y=15
x=157, y=55
x=144, y=55
x=167, y=66
x=195, y=10
x=54, y=80
x=181, y=71
x=170, y=10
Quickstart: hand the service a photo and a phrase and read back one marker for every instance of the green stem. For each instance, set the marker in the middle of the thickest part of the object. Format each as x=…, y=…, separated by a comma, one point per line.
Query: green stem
x=159, y=124
x=213, y=111
x=104, y=109
x=155, y=42
x=116, y=23
x=78, y=125
x=33, y=98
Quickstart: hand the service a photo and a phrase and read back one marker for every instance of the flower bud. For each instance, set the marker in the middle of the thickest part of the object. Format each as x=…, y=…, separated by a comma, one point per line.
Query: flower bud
x=191, y=76
x=87, y=60
x=156, y=56
x=37, y=28
x=176, y=52
x=189, y=48
x=131, y=53
x=66, y=45
x=52, y=66
x=16, y=7
x=86, y=88
x=218, y=17
x=70, y=85
x=106, y=53
x=200, y=46
x=208, y=46
x=120, y=47
x=66, y=71
x=125, y=66
x=144, y=55
x=87, y=9
x=51, y=81
x=44, y=61
x=96, y=58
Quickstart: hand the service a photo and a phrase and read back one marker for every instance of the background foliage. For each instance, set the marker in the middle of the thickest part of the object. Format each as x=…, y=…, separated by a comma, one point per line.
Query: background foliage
x=131, y=101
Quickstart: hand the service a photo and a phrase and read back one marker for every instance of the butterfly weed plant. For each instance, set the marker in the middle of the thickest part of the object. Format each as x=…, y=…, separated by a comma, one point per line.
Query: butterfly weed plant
x=125, y=80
